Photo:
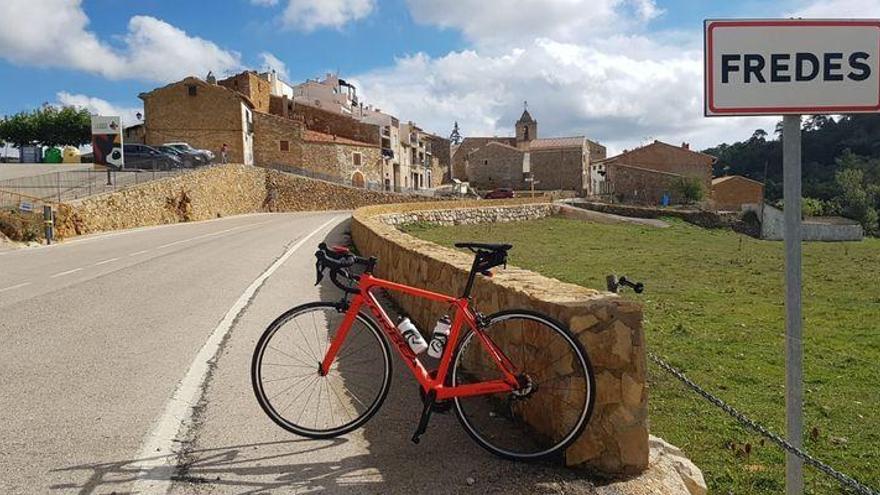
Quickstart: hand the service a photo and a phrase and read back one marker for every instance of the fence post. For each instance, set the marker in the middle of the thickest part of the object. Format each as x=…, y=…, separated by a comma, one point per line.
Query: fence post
x=58, y=185
x=48, y=223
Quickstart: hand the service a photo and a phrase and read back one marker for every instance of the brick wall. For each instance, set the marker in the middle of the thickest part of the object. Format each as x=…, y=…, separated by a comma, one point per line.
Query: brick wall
x=641, y=186
x=251, y=85
x=733, y=192
x=333, y=123
x=615, y=441
x=337, y=160
x=495, y=165
x=210, y=118
x=270, y=131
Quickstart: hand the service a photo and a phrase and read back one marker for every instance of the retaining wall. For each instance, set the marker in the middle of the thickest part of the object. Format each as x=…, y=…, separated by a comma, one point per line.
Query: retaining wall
x=615, y=441
x=211, y=193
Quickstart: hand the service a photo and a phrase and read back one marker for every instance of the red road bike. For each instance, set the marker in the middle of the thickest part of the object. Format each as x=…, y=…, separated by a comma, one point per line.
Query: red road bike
x=519, y=382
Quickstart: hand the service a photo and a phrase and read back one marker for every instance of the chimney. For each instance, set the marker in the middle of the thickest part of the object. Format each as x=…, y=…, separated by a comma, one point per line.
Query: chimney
x=686, y=146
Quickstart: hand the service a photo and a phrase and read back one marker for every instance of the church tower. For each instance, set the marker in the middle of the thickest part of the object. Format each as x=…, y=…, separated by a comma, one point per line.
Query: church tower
x=526, y=127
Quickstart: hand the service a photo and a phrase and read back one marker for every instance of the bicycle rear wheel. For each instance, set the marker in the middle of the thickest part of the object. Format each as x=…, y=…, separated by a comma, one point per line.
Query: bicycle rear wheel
x=285, y=378
x=554, y=404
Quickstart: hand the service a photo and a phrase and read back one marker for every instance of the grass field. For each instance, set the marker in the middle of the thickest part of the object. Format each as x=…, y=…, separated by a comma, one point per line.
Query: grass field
x=714, y=308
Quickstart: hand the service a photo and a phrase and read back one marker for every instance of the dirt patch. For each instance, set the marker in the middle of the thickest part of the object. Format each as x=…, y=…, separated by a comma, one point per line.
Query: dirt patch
x=20, y=227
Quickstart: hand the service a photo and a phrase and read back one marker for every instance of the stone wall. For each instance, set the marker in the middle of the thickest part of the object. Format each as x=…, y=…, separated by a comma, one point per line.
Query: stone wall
x=615, y=441
x=636, y=185
x=251, y=85
x=564, y=168
x=731, y=193
x=336, y=158
x=327, y=122
x=469, y=144
x=496, y=165
x=211, y=193
x=206, y=118
x=270, y=134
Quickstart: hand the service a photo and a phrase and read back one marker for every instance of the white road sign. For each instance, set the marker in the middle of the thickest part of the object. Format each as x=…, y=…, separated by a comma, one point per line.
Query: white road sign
x=776, y=67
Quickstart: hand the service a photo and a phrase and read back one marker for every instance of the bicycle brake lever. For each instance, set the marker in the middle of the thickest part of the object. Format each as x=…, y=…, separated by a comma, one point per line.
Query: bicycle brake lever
x=319, y=272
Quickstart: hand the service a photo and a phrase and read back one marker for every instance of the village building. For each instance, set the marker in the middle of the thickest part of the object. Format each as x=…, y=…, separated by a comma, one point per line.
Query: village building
x=205, y=115
x=732, y=192
x=650, y=174
x=526, y=161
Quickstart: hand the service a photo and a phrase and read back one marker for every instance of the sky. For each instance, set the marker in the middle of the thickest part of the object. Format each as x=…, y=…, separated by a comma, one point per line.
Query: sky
x=621, y=72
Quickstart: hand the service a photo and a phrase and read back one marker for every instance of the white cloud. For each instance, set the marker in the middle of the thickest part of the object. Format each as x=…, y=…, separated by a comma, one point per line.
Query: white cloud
x=838, y=9
x=272, y=62
x=55, y=33
x=309, y=15
x=99, y=106
x=619, y=97
x=265, y=3
x=486, y=22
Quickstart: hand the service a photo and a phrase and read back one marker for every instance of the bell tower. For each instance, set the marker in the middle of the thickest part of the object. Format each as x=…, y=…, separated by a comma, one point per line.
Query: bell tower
x=526, y=126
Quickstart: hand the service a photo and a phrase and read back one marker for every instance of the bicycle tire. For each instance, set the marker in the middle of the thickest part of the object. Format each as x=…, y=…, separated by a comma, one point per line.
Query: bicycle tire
x=583, y=415
x=291, y=426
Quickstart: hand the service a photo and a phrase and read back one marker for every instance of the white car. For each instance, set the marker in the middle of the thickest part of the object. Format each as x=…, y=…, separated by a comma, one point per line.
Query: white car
x=185, y=147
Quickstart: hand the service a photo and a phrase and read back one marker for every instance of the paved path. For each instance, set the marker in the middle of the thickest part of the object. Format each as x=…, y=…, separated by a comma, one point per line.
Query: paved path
x=99, y=335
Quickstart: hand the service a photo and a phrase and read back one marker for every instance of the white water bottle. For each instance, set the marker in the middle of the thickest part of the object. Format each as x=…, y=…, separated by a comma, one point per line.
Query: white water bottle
x=439, y=337
x=412, y=336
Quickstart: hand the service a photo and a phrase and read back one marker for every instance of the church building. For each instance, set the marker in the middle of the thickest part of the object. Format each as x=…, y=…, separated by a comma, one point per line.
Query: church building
x=555, y=163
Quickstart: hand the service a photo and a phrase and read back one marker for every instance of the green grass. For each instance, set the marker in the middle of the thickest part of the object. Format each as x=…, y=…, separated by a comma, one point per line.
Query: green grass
x=714, y=308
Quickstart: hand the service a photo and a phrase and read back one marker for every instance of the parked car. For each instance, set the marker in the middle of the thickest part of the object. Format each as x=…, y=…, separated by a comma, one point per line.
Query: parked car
x=500, y=193
x=190, y=159
x=147, y=157
x=208, y=155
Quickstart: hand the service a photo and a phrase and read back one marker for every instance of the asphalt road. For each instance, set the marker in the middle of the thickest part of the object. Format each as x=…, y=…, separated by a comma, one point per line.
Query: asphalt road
x=101, y=343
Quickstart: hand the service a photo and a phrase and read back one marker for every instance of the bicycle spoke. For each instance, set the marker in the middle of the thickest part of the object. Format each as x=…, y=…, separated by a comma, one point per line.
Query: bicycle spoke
x=297, y=397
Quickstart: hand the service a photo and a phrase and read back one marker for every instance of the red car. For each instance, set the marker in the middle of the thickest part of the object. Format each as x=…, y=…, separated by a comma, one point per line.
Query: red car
x=500, y=193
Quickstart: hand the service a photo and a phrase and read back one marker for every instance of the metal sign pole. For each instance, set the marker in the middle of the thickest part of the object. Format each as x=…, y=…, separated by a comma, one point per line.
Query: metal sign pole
x=794, y=352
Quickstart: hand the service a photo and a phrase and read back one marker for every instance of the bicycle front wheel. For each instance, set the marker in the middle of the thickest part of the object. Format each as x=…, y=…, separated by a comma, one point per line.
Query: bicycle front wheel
x=289, y=388
x=552, y=406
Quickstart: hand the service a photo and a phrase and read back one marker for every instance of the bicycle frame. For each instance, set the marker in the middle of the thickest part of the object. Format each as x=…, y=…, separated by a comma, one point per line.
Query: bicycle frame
x=463, y=316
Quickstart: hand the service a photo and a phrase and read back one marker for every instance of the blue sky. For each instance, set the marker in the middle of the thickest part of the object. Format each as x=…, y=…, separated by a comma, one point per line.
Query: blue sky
x=619, y=71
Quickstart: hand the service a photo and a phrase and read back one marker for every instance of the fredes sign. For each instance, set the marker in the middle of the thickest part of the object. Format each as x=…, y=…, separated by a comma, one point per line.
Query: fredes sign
x=776, y=67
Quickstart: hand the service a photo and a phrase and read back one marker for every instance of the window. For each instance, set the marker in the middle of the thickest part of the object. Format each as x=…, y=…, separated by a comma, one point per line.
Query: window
x=356, y=159
x=284, y=145
x=485, y=162
x=191, y=89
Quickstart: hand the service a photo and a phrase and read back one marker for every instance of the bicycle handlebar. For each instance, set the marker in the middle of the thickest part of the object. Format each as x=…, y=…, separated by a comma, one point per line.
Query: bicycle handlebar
x=338, y=260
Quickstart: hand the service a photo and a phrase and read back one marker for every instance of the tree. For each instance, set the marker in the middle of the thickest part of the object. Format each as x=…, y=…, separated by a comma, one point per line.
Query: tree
x=857, y=200
x=47, y=126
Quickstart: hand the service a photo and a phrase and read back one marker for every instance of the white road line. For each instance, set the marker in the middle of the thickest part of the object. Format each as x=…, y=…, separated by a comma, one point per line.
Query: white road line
x=15, y=287
x=68, y=272
x=139, y=252
x=156, y=458
x=111, y=260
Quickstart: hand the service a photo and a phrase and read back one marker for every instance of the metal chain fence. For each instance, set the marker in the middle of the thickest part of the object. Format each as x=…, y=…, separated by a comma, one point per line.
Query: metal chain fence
x=842, y=478
x=70, y=185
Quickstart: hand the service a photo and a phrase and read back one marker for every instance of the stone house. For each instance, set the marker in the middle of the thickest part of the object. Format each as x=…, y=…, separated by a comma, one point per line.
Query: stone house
x=357, y=162
x=248, y=83
x=732, y=192
x=651, y=161
x=556, y=163
x=134, y=134
x=202, y=114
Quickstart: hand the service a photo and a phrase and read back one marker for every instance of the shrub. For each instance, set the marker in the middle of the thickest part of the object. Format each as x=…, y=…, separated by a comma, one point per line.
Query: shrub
x=22, y=227
x=690, y=190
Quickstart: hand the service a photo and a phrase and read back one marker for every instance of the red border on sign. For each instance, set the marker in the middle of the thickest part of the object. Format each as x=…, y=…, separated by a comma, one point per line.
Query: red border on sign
x=777, y=110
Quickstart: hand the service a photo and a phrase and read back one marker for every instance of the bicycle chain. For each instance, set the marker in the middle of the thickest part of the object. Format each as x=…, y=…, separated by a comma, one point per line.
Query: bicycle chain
x=842, y=478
